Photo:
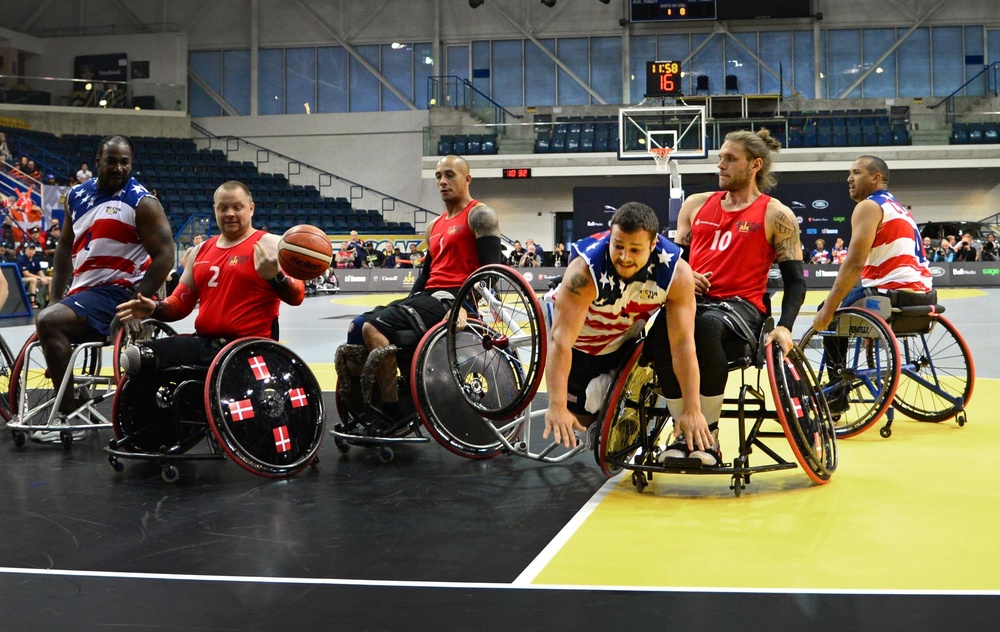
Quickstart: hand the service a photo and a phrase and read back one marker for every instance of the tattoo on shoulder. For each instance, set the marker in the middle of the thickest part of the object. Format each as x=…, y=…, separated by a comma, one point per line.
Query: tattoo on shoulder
x=483, y=221
x=787, y=245
x=577, y=282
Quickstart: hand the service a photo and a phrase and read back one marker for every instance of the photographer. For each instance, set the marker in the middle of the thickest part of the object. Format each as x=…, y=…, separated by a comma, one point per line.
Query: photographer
x=989, y=252
x=965, y=250
x=943, y=252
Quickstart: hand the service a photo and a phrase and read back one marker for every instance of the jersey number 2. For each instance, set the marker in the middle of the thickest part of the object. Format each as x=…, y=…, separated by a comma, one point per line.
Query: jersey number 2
x=214, y=281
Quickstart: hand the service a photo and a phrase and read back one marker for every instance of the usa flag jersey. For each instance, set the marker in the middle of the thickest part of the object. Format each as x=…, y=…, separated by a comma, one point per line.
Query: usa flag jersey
x=106, y=246
x=897, y=260
x=622, y=308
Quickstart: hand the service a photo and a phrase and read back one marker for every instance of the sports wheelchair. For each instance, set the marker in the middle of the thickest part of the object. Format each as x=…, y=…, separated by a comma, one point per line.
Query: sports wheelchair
x=32, y=399
x=889, y=352
x=257, y=403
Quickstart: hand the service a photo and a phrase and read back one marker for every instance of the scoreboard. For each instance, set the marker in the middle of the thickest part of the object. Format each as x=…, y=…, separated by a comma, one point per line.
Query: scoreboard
x=679, y=10
x=663, y=79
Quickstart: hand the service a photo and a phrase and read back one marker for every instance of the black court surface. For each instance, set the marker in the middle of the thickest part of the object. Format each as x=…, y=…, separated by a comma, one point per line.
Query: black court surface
x=430, y=540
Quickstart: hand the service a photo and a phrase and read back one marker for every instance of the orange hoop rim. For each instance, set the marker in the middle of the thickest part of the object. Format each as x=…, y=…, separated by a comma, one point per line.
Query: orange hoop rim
x=660, y=152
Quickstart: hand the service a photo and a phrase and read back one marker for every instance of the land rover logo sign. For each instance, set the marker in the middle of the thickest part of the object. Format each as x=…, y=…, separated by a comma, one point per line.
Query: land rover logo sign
x=774, y=273
x=936, y=271
x=820, y=204
x=529, y=277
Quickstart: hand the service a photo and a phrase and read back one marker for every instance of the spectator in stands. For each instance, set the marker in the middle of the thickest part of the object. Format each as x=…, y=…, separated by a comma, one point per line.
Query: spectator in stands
x=820, y=254
x=943, y=252
x=83, y=174
x=952, y=242
x=965, y=251
x=5, y=154
x=346, y=255
x=559, y=256
x=839, y=252
x=21, y=169
x=538, y=249
x=195, y=242
x=530, y=259
x=416, y=256
x=8, y=244
x=33, y=237
x=928, y=247
x=390, y=252
x=33, y=274
x=516, y=253
x=51, y=241
x=359, y=248
x=33, y=170
x=989, y=251
x=373, y=258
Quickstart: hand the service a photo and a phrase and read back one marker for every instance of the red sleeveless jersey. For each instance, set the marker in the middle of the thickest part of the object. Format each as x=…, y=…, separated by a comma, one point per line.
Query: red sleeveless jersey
x=453, y=251
x=734, y=247
x=233, y=300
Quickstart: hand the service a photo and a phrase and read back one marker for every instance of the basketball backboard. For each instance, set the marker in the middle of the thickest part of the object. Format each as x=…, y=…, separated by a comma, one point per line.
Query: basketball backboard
x=681, y=128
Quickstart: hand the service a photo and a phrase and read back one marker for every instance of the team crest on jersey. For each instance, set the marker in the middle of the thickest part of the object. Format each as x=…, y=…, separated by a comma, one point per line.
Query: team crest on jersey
x=452, y=230
x=747, y=227
x=111, y=210
x=236, y=260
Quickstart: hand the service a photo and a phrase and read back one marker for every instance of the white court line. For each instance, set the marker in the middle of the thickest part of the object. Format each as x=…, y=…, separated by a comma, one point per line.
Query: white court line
x=542, y=559
x=322, y=581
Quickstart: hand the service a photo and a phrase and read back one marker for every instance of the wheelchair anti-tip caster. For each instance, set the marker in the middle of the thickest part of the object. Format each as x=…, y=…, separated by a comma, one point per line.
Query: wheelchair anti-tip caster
x=885, y=432
x=961, y=419
x=639, y=481
x=18, y=437
x=117, y=465
x=169, y=473
x=385, y=454
x=738, y=485
x=66, y=439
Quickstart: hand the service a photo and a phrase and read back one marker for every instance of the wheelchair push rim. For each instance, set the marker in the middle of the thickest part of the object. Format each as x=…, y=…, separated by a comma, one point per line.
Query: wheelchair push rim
x=621, y=432
x=802, y=412
x=509, y=320
x=265, y=407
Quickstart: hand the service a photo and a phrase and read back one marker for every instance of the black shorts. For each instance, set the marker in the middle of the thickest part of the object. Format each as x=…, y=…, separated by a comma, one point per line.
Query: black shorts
x=405, y=321
x=586, y=367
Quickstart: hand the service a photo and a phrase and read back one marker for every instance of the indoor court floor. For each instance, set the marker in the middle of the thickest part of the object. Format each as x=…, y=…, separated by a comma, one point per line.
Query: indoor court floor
x=899, y=539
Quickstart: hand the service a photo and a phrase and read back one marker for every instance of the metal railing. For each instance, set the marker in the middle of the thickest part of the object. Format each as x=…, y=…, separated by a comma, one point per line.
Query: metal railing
x=455, y=92
x=992, y=73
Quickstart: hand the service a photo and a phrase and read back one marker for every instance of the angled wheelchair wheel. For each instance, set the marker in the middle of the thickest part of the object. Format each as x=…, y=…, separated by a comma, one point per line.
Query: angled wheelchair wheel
x=149, y=329
x=160, y=413
x=265, y=407
x=6, y=368
x=507, y=330
x=802, y=412
x=857, y=363
x=937, y=374
x=621, y=425
x=441, y=403
x=31, y=371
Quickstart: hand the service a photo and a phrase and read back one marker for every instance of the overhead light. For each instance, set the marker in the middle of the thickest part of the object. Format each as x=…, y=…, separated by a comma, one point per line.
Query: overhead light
x=476, y=3
x=549, y=3
x=397, y=45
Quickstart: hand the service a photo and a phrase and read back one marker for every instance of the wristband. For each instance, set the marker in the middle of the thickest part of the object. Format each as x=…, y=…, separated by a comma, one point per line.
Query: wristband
x=277, y=280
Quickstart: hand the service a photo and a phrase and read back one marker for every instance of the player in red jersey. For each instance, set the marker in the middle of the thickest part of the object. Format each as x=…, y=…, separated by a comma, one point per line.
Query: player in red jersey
x=236, y=278
x=459, y=242
x=733, y=237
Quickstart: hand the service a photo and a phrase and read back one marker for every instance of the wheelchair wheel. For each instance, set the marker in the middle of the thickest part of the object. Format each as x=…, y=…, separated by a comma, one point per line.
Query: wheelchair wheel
x=440, y=401
x=265, y=407
x=621, y=427
x=6, y=368
x=40, y=392
x=802, y=412
x=507, y=330
x=162, y=413
x=937, y=374
x=859, y=387
x=149, y=329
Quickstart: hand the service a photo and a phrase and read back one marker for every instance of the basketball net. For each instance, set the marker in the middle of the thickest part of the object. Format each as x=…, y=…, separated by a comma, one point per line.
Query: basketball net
x=662, y=157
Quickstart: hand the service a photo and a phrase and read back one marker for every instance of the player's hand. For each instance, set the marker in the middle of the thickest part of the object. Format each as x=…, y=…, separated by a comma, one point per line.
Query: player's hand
x=824, y=315
x=702, y=283
x=265, y=261
x=561, y=423
x=783, y=336
x=135, y=310
x=695, y=430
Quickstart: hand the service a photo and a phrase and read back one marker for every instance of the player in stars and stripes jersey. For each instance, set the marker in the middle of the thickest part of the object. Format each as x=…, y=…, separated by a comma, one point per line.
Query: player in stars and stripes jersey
x=115, y=243
x=614, y=284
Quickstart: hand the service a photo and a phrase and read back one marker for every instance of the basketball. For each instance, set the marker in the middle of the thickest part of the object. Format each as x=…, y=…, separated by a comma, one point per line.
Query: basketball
x=304, y=252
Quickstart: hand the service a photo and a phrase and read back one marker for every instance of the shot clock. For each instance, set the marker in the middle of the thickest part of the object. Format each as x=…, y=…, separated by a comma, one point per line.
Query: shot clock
x=663, y=79
x=516, y=173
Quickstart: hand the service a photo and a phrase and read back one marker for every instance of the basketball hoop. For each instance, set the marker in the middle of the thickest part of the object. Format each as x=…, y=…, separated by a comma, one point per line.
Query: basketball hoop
x=662, y=157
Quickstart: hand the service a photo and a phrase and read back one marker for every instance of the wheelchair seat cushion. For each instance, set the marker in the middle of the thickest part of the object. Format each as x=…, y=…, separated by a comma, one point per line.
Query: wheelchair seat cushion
x=912, y=323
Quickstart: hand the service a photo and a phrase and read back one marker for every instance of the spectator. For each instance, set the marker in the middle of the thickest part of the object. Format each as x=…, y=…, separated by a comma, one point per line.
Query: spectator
x=928, y=247
x=516, y=253
x=839, y=252
x=33, y=274
x=359, y=249
x=83, y=174
x=965, y=251
x=8, y=244
x=33, y=170
x=943, y=252
x=530, y=259
x=195, y=242
x=538, y=249
x=373, y=258
x=21, y=169
x=5, y=154
x=390, y=253
x=51, y=241
x=559, y=256
x=33, y=237
x=416, y=256
x=820, y=254
x=346, y=255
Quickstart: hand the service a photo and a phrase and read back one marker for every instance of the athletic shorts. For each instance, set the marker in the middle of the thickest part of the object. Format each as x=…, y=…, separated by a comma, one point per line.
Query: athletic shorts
x=98, y=305
x=585, y=368
x=404, y=322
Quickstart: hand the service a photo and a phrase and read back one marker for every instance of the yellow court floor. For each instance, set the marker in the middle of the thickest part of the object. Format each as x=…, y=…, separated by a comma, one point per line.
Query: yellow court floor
x=915, y=512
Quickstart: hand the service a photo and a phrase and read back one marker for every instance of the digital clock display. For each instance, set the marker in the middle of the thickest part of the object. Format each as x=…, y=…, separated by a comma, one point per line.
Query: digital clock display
x=516, y=174
x=663, y=79
x=671, y=10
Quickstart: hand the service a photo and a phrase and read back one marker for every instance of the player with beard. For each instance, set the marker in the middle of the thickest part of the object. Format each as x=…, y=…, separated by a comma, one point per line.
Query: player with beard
x=732, y=237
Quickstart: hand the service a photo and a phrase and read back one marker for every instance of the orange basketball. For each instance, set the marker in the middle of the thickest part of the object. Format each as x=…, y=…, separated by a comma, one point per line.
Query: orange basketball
x=304, y=252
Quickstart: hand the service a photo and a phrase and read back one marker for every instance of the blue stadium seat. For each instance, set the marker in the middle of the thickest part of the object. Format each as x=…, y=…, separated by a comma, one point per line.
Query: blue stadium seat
x=959, y=134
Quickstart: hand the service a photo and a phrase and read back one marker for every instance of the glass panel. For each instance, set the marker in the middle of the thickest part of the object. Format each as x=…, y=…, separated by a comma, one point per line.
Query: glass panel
x=843, y=62
x=992, y=46
x=458, y=61
x=271, y=81
x=300, y=80
x=606, y=68
x=208, y=66
x=423, y=69
x=668, y=48
x=397, y=68
x=804, y=64
x=776, y=52
x=949, y=59
x=881, y=82
x=508, y=73
x=539, y=74
x=364, y=92
x=642, y=48
x=481, y=66
x=914, y=62
x=573, y=52
x=236, y=80
x=709, y=61
x=741, y=64
x=332, y=79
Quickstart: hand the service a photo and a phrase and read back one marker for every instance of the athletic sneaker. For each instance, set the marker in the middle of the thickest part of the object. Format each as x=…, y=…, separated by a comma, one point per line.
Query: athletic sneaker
x=676, y=450
x=53, y=436
x=712, y=456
